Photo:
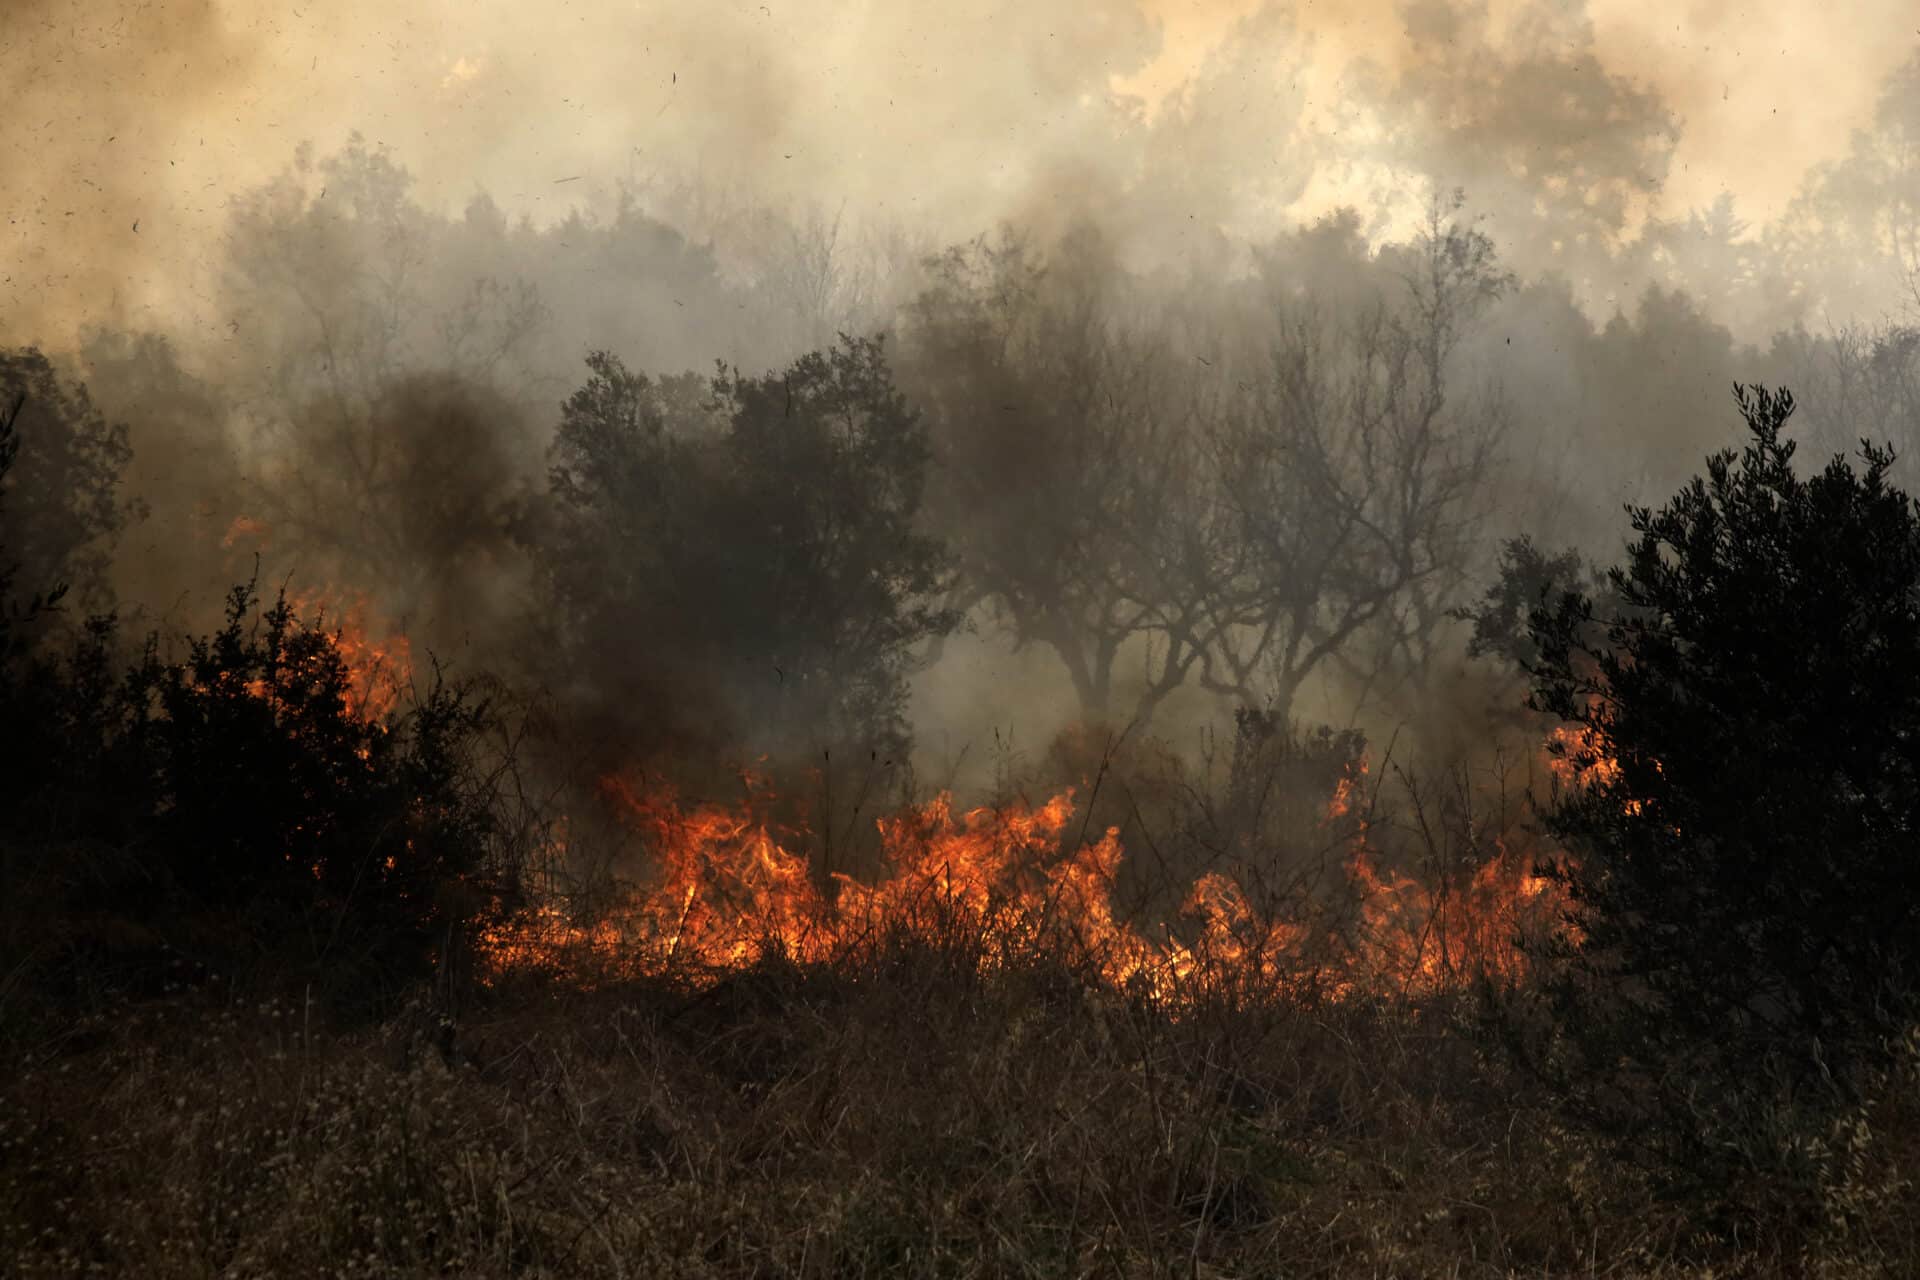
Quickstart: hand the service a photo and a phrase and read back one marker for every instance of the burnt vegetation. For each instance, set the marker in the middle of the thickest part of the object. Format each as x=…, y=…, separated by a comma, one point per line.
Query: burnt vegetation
x=469, y=805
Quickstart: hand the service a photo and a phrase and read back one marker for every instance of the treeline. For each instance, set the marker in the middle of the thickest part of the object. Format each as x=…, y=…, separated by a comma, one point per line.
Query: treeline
x=1220, y=487
x=1196, y=495
x=1233, y=488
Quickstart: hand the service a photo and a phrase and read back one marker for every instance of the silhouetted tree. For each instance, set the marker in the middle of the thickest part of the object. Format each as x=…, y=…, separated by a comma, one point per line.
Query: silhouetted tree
x=747, y=546
x=63, y=505
x=1528, y=579
x=1223, y=518
x=1742, y=865
x=1068, y=478
x=381, y=361
x=1855, y=380
x=1355, y=472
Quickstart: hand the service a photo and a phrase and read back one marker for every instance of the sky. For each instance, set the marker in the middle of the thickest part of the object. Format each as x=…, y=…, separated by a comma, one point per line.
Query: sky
x=132, y=124
x=1764, y=90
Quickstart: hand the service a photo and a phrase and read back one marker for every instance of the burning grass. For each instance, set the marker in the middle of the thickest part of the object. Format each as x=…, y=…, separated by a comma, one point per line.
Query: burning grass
x=1002, y=1050
x=729, y=888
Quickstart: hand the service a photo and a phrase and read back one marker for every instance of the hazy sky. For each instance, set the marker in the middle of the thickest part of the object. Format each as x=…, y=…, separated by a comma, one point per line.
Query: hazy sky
x=946, y=115
x=1763, y=89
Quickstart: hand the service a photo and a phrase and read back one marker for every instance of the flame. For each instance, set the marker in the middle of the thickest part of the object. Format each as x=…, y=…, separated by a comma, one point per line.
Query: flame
x=1346, y=791
x=1427, y=936
x=995, y=886
x=377, y=657
x=247, y=528
x=1582, y=757
x=378, y=667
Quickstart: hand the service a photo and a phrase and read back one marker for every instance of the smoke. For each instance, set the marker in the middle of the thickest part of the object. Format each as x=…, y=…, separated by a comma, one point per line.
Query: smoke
x=1176, y=121
x=338, y=265
x=108, y=180
x=1763, y=93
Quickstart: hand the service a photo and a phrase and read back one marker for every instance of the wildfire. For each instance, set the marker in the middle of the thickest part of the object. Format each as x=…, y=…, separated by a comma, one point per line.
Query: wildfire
x=995, y=886
x=1581, y=756
x=1432, y=936
x=377, y=658
x=378, y=667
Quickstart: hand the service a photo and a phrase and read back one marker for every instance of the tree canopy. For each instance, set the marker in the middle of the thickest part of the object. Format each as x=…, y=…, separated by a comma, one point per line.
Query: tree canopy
x=751, y=538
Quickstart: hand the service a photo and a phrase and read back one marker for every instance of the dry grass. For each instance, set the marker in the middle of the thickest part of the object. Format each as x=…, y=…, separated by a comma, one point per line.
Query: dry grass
x=911, y=1118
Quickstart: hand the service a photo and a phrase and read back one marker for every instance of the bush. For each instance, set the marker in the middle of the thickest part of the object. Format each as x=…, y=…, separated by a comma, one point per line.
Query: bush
x=1746, y=731
x=236, y=806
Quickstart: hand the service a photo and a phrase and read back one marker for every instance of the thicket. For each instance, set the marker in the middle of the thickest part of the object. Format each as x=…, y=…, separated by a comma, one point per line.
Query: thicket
x=1743, y=701
x=226, y=806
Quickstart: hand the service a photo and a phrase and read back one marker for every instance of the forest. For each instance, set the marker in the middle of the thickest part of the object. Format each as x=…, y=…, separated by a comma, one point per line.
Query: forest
x=698, y=735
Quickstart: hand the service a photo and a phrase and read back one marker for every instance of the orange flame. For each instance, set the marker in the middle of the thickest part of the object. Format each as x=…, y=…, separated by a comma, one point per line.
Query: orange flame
x=379, y=667
x=1001, y=885
x=1584, y=758
x=1581, y=756
x=379, y=671
x=1429, y=936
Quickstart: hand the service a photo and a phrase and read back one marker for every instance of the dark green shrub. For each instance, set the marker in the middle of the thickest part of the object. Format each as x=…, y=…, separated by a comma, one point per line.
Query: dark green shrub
x=1744, y=870
x=235, y=807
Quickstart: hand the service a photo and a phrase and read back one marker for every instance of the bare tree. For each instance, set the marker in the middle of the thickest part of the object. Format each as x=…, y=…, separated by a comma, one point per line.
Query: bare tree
x=1356, y=479
x=1854, y=381
x=1068, y=480
x=1116, y=494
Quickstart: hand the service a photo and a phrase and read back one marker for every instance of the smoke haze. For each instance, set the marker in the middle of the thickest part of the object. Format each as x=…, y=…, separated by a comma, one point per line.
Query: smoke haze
x=942, y=119
x=337, y=265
